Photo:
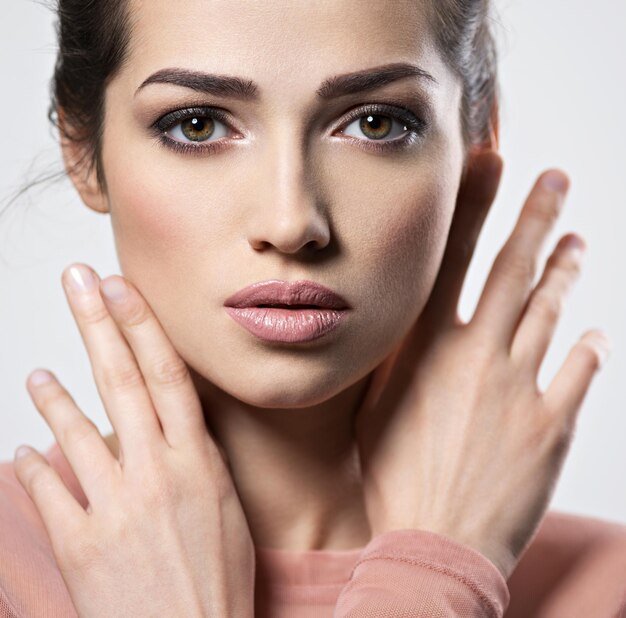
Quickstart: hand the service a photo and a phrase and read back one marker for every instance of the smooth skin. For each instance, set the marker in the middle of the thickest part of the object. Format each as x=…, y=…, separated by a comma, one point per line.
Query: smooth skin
x=488, y=488
x=454, y=436
x=290, y=196
x=166, y=512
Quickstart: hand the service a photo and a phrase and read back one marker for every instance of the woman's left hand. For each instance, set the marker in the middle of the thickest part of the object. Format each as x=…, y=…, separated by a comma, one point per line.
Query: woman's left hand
x=164, y=533
x=454, y=434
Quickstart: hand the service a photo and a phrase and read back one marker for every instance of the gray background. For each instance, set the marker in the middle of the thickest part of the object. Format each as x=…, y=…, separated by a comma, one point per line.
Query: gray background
x=563, y=105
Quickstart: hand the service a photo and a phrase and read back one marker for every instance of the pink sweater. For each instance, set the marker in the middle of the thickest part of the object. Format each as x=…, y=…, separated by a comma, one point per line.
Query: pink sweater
x=575, y=567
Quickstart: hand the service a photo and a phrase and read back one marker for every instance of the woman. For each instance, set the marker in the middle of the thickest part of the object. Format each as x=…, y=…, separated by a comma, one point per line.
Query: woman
x=365, y=454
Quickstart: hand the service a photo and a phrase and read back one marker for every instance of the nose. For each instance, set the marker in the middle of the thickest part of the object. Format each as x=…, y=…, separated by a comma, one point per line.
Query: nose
x=288, y=212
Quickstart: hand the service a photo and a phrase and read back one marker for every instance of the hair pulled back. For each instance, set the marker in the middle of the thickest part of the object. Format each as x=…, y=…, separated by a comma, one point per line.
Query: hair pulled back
x=93, y=42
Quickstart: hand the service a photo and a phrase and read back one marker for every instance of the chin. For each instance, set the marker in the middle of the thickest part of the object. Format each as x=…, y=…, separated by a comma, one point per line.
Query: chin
x=296, y=384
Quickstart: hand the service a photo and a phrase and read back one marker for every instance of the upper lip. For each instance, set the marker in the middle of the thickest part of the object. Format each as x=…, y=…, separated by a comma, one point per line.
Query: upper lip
x=276, y=292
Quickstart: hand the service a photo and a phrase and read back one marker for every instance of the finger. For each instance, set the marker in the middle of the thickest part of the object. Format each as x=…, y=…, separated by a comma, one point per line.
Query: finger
x=57, y=507
x=118, y=378
x=167, y=377
x=79, y=438
x=569, y=387
x=542, y=313
x=510, y=281
x=476, y=195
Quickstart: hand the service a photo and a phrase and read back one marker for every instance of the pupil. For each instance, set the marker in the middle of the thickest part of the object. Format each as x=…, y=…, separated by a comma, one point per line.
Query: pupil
x=197, y=129
x=376, y=126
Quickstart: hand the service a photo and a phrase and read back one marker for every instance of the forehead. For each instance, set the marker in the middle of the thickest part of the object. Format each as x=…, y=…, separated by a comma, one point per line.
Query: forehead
x=278, y=42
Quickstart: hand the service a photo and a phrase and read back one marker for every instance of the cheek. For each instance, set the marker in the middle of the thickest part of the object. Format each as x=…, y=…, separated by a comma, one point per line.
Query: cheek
x=398, y=247
x=163, y=221
x=152, y=214
x=413, y=243
x=150, y=236
x=166, y=233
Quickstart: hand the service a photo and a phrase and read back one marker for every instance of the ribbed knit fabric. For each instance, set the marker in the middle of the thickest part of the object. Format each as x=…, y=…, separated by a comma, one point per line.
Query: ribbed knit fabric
x=575, y=567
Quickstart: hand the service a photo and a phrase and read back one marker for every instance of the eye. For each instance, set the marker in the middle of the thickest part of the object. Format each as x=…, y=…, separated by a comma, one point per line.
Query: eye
x=377, y=127
x=385, y=127
x=197, y=128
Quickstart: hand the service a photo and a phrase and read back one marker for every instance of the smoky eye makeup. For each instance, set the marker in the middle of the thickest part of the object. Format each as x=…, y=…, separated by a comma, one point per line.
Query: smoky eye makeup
x=186, y=130
x=381, y=127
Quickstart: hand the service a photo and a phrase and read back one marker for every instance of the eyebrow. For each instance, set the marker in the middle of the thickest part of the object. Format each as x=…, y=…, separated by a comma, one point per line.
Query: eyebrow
x=247, y=90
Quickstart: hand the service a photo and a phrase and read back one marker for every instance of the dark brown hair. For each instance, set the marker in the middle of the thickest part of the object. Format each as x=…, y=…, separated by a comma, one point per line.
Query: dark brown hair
x=94, y=35
x=466, y=41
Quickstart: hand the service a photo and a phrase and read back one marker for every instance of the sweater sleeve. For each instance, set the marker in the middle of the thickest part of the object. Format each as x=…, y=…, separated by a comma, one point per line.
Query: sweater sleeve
x=6, y=609
x=422, y=574
x=31, y=584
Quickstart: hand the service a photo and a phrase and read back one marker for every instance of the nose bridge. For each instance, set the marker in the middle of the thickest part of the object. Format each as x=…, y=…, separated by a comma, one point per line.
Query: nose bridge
x=289, y=214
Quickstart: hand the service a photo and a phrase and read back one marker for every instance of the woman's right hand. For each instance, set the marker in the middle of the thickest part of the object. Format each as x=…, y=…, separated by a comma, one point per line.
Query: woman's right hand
x=164, y=532
x=454, y=435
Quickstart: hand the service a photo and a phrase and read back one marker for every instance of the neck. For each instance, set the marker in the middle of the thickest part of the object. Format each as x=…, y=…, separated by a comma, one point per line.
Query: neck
x=296, y=469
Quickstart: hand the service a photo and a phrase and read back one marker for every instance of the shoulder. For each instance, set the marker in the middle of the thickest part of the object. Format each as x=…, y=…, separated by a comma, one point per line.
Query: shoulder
x=30, y=581
x=575, y=565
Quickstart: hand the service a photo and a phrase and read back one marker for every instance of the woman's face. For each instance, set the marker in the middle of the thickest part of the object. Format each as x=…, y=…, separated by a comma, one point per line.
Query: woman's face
x=284, y=185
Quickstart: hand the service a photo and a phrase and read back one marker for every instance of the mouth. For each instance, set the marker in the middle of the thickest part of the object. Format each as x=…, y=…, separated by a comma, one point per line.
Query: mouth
x=278, y=306
x=283, y=312
x=296, y=295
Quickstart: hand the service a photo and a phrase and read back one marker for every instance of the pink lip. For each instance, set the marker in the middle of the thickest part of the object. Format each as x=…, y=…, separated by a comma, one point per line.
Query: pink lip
x=276, y=292
x=285, y=324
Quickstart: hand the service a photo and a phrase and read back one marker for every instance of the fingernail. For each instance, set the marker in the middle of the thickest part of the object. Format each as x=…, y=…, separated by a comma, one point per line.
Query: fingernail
x=22, y=451
x=81, y=279
x=604, y=348
x=39, y=377
x=554, y=181
x=575, y=242
x=114, y=289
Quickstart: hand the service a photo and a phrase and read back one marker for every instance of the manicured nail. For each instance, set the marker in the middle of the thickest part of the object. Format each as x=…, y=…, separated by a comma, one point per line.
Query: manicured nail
x=22, y=451
x=114, y=289
x=554, y=181
x=39, y=377
x=81, y=279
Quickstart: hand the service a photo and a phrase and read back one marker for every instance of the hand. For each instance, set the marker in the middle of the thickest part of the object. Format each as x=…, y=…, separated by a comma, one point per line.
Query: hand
x=454, y=435
x=164, y=533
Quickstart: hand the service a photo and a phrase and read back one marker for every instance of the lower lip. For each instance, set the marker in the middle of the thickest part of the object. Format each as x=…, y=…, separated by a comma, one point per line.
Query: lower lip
x=287, y=325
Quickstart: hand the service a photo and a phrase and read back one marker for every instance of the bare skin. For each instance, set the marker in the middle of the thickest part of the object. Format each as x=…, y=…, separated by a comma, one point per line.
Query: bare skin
x=290, y=195
x=197, y=229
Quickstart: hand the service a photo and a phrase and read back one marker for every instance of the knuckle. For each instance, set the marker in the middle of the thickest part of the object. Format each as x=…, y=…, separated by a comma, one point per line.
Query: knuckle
x=565, y=261
x=546, y=208
x=51, y=396
x=122, y=378
x=514, y=264
x=79, y=553
x=483, y=351
x=77, y=432
x=170, y=371
x=122, y=524
x=94, y=313
x=571, y=264
x=136, y=315
x=546, y=304
x=38, y=479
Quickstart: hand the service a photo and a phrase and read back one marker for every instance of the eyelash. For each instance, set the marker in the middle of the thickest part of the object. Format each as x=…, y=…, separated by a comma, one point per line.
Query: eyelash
x=414, y=124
